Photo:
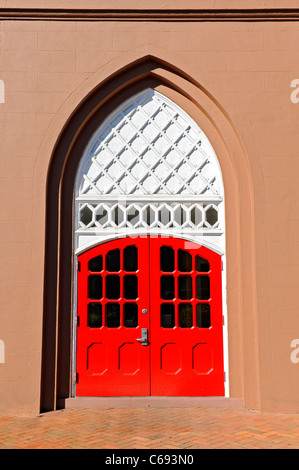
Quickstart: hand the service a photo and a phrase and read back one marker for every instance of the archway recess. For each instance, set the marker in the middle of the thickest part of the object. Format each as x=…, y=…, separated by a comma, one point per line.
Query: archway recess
x=149, y=170
x=96, y=105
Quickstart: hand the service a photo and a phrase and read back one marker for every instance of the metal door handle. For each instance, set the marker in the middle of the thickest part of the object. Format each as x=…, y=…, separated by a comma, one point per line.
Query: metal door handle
x=144, y=338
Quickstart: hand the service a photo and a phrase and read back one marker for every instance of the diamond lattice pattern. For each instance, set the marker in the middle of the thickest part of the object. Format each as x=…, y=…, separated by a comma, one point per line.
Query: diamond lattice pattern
x=148, y=148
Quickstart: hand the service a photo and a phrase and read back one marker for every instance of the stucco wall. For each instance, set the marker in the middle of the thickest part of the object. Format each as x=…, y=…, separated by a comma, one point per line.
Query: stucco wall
x=244, y=67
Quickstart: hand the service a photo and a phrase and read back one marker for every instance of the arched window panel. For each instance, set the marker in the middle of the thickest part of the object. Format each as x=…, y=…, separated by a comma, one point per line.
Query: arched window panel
x=149, y=167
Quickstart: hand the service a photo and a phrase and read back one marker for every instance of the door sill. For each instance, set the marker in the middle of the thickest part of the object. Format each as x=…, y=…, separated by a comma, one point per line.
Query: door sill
x=150, y=402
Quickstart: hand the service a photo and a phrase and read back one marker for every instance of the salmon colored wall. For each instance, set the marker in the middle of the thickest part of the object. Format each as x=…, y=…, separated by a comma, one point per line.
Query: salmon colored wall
x=240, y=94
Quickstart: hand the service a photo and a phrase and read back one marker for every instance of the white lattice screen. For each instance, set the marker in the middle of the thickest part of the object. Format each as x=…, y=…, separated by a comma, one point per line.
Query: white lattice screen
x=149, y=168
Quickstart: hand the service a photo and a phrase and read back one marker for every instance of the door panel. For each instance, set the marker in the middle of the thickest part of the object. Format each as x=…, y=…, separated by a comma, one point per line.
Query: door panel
x=167, y=289
x=186, y=319
x=113, y=282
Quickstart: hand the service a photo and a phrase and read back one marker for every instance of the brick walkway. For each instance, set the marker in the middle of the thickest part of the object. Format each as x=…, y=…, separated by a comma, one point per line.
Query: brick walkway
x=151, y=428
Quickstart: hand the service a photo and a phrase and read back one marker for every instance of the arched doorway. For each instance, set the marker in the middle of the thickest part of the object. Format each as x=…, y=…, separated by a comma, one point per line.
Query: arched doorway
x=60, y=156
x=148, y=191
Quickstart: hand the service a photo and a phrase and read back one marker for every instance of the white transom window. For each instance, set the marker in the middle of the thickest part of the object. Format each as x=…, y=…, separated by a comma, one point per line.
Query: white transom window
x=149, y=168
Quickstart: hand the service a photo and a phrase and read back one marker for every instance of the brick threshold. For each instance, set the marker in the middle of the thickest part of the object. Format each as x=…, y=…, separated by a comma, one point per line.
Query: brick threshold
x=150, y=402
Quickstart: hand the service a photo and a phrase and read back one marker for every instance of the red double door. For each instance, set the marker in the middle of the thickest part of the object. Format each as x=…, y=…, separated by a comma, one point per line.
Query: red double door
x=149, y=319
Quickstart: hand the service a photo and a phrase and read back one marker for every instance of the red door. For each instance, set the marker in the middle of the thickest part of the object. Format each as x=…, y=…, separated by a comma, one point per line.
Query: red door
x=186, y=319
x=113, y=281
x=149, y=319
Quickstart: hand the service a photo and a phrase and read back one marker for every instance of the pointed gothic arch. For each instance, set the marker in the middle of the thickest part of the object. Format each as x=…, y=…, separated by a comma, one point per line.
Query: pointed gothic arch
x=70, y=146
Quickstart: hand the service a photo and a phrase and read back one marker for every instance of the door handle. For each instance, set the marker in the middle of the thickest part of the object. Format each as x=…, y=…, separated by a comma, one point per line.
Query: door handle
x=144, y=338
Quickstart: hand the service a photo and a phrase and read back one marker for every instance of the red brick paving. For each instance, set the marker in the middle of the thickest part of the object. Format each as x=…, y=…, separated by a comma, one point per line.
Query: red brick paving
x=151, y=428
